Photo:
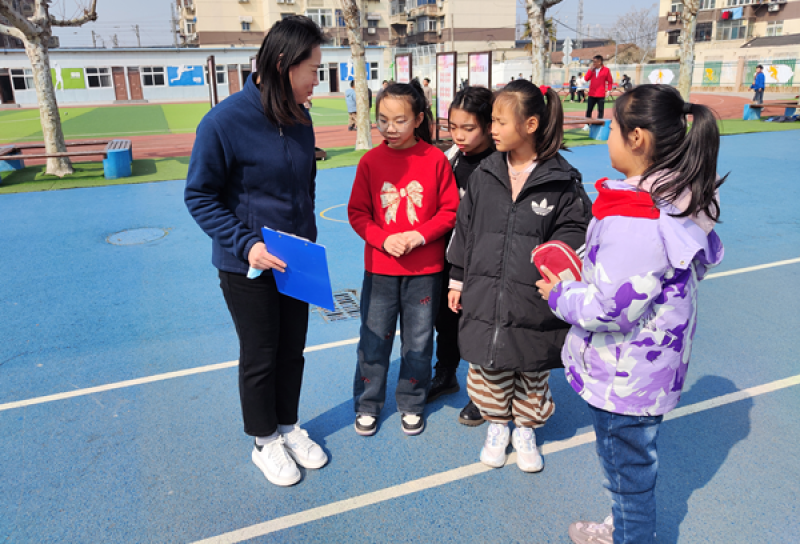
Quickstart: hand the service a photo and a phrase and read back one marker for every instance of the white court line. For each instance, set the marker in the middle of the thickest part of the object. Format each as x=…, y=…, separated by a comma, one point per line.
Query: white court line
x=229, y=364
x=154, y=378
x=460, y=473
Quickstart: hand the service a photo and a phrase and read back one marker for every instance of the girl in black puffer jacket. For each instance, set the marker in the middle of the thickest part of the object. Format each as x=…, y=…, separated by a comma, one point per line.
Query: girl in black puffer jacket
x=523, y=195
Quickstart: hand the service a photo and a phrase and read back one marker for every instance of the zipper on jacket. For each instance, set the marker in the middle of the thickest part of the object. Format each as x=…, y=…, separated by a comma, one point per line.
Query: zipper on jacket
x=294, y=188
x=499, y=303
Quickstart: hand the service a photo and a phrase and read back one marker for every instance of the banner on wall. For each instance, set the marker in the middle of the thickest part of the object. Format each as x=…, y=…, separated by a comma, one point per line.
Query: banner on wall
x=402, y=65
x=661, y=76
x=184, y=76
x=480, y=69
x=778, y=73
x=347, y=71
x=445, y=83
x=67, y=78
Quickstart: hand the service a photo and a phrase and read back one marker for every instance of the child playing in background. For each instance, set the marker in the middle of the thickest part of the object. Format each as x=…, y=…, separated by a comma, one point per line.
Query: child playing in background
x=403, y=203
x=522, y=196
x=470, y=119
x=634, y=313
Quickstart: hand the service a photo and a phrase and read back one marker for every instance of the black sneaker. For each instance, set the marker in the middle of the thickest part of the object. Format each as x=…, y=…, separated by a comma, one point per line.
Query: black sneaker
x=443, y=383
x=470, y=415
x=412, y=424
x=366, y=425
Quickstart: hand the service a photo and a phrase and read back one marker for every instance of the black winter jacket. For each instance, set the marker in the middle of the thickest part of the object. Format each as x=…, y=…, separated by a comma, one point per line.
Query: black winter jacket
x=505, y=323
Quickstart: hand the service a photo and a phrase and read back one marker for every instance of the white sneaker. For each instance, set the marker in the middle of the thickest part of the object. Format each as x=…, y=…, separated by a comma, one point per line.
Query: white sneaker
x=303, y=450
x=493, y=452
x=587, y=532
x=276, y=465
x=528, y=457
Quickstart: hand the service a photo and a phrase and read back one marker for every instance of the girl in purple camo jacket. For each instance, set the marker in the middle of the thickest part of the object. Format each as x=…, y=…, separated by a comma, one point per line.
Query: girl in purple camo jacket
x=634, y=313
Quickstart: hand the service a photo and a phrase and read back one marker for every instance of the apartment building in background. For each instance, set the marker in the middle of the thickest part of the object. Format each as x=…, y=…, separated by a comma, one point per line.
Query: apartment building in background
x=460, y=25
x=723, y=26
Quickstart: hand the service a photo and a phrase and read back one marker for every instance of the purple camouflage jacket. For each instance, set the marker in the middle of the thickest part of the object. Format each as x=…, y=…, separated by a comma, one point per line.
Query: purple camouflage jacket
x=634, y=313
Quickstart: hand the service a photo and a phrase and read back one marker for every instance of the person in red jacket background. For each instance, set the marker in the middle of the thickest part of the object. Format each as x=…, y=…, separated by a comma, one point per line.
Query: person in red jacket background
x=600, y=81
x=403, y=203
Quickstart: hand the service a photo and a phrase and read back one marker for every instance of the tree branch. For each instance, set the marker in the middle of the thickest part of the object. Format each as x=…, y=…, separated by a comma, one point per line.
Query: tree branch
x=11, y=31
x=88, y=16
x=17, y=20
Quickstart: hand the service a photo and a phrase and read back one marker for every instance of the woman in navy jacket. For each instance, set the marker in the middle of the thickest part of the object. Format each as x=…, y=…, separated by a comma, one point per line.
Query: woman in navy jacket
x=253, y=165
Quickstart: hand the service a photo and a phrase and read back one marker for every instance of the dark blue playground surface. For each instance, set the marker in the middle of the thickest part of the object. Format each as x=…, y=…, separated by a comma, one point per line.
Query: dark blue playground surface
x=167, y=461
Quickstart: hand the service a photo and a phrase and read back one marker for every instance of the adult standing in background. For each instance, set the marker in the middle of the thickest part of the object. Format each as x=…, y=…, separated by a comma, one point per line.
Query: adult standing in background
x=428, y=92
x=253, y=165
x=350, y=100
x=600, y=81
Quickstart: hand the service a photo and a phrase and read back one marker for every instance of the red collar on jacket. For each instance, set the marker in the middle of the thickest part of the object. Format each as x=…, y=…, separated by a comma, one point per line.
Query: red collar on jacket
x=612, y=202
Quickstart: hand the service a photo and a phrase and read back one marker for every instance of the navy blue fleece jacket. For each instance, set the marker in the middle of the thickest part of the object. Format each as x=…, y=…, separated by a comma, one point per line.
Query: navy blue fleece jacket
x=246, y=173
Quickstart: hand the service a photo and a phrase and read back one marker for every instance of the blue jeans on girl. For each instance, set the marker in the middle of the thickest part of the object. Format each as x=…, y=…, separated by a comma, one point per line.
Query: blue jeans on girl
x=626, y=446
x=415, y=299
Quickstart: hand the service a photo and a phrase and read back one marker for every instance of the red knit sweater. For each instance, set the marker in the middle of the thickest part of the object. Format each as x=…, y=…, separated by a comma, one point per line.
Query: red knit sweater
x=399, y=191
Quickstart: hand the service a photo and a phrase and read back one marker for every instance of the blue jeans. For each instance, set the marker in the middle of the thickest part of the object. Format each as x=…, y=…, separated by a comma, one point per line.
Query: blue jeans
x=626, y=446
x=758, y=98
x=415, y=299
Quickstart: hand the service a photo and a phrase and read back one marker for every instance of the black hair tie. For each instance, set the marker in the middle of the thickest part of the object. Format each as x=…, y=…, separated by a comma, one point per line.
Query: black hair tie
x=687, y=108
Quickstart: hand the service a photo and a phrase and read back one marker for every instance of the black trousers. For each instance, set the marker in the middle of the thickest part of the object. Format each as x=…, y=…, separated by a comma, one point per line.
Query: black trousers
x=601, y=105
x=447, y=354
x=272, y=336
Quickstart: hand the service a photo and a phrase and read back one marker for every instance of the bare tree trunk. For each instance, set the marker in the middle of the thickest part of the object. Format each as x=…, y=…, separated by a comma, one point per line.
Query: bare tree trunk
x=37, y=51
x=536, y=22
x=352, y=18
x=35, y=32
x=536, y=15
x=689, y=18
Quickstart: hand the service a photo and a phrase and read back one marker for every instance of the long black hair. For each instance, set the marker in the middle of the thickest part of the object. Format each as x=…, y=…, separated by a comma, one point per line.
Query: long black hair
x=528, y=101
x=478, y=102
x=415, y=96
x=288, y=43
x=684, y=158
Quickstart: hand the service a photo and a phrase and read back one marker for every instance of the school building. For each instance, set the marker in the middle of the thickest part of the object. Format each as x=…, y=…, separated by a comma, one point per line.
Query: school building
x=106, y=76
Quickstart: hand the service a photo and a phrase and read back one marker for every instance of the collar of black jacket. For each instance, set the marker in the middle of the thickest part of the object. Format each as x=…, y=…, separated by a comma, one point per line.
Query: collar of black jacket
x=553, y=169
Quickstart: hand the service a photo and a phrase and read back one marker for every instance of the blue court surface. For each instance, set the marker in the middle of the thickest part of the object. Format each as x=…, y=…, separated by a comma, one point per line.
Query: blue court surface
x=119, y=409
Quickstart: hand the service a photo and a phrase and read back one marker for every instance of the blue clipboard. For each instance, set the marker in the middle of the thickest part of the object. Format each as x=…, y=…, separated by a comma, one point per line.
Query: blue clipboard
x=306, y=277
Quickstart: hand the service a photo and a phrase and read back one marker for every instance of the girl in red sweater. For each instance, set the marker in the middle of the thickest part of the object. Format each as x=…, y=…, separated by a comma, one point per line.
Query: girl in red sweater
x=403, y=202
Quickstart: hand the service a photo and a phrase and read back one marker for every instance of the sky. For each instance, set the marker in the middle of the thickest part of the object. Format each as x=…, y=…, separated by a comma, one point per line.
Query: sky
x=117, y=17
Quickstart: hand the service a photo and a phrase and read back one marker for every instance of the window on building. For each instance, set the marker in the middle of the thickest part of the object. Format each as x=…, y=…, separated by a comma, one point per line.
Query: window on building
x=775, y=28
x=372, y=23
x=707, y=4
x=732, y=30
x=673, y=37
x=426, y=24
x=190, y=28
x=425, y=2
x=222, y=74
x=373, y=71
x=676, y=6
x=285, y=15
x=98, y=77
x=398, y=7
x=245, y=26
x=323, y=17
x=703, y=32
x=22, y=79
x=734, y=3
x=153, y=76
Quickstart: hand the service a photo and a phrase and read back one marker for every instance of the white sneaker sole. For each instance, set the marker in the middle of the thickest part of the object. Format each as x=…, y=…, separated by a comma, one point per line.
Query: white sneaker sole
x=413, y=432
x=307, y=464
x=529, y=468
x=283, y=482
x=494, y=463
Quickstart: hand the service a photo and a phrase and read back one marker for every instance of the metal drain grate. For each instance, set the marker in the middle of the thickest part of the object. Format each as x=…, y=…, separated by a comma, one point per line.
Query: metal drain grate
x=347, y=306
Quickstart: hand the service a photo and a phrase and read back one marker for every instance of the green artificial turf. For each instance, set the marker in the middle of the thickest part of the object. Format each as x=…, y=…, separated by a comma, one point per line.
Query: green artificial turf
x=90, y=174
